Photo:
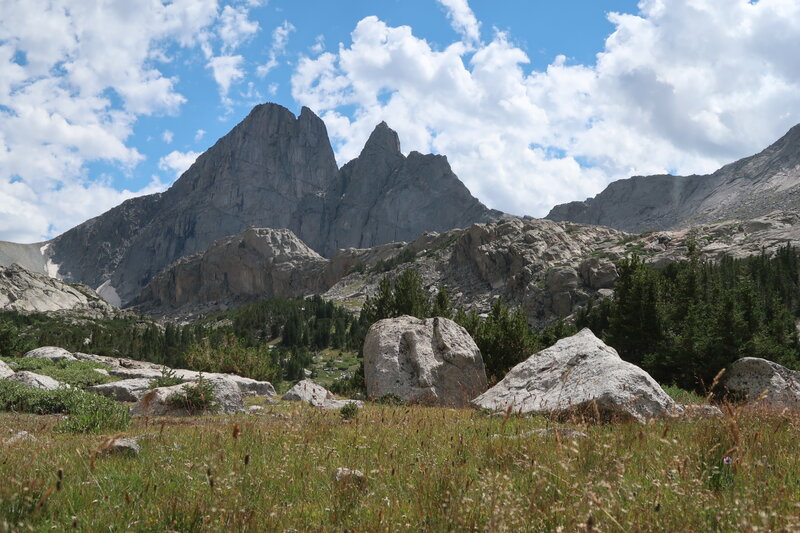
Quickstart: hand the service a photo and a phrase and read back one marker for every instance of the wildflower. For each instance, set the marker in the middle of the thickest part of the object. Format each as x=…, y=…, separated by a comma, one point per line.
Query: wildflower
x=727, y=460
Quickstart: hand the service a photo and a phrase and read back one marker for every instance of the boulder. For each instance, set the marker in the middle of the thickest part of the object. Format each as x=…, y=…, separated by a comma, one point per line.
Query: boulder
x=338, y=404
x=5, y=371
x=432, y=361
x=121, y=446
x=127, y=390
x=51, y=352
x=579, y=375
x=309, y=392
x=599, y=273
x=762, y=382
x=157, y=402
x=35, y=381
x=20, y=437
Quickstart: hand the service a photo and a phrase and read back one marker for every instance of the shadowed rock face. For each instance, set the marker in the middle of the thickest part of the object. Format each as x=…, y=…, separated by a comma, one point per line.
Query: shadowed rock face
x=748, y=188
x=255, y=264
x=273, y=170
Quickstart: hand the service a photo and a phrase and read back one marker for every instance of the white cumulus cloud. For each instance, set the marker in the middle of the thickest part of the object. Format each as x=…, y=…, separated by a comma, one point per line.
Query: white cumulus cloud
x=681, y=86
x=74, y=78
x=177, y=162
x=280, y=39
x=463, y=20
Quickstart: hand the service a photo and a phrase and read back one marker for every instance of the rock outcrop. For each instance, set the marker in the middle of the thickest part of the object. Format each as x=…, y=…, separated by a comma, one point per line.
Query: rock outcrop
x=748, y=188
x=432, y=361
x=25, y=291
x=126, y=390
x=53, y=353
x=5, y=370
x=253, y=265
x=161, y=401
x=128, y=369
x=580, y=376
x=548, y=268
x=35, y=381
x=273, y=170
x=763, y=383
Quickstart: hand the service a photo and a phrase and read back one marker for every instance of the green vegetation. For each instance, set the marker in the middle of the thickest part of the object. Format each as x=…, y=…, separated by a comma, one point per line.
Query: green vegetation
x=166, y=379
x=687, y=322
x=197, y=398
x=79, y=374
x=426, y=469
x=349, y=411
x=85, y=412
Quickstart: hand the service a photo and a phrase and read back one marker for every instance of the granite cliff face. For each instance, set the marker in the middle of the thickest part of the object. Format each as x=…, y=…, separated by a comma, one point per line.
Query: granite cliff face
x=26, y=292
x=273, y=170
x=749, y=188
x=255, y=264
x=383, y=196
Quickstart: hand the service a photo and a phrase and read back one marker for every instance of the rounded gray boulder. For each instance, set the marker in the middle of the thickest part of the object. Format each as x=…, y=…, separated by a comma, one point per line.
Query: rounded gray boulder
x=432, y=361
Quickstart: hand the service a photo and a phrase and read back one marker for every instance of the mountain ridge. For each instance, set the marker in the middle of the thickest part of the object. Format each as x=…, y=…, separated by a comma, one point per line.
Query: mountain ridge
x=272, y=170
x=748, y=188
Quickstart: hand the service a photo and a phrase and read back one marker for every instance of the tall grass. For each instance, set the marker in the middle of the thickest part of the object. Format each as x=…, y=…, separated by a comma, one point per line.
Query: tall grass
x=426, y=470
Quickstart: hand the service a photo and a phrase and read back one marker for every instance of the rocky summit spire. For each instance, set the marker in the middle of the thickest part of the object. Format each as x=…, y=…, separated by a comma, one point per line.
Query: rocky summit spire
x=273, y=170
x=382, y=139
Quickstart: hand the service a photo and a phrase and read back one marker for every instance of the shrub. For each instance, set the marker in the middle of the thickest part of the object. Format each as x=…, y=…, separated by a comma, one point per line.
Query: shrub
x=349, y=411
x=167, y=379
x=390, y=398
x=196, y=398
x=231, y=356
x=80, y=374
x=86, y=412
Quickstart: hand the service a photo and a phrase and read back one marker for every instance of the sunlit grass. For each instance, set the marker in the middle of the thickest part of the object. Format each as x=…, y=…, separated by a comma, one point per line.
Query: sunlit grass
x=426, y=470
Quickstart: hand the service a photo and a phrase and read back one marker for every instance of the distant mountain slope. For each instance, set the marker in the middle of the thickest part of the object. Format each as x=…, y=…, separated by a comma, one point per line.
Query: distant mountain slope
x=273, y=170
x=25, y=291
x=748, y=188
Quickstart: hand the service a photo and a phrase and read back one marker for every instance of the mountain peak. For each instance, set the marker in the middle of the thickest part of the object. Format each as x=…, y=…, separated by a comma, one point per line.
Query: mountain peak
x=383, y=139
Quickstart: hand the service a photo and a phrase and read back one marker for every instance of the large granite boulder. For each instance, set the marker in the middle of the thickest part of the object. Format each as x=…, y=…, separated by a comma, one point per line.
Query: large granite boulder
x=762, y=382
x=52, y=353
x=126, y=390
x=432, y=361
x=159, y=401
x=35, y=381
x=5, y=371
x=579, y=375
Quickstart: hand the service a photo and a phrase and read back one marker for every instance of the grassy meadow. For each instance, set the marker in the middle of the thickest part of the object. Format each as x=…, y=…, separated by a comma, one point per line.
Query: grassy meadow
x=426, y=469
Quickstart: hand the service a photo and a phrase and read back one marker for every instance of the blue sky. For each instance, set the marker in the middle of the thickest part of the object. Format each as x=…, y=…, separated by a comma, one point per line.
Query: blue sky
x=534, y=102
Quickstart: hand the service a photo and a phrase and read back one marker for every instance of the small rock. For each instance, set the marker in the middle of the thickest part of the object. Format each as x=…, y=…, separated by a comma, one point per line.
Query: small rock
x=255, y=409
x=310, y=392
x=338, y=404
x=122, y=446
x=698, y=411
x=22, y=436
x=53, y=353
